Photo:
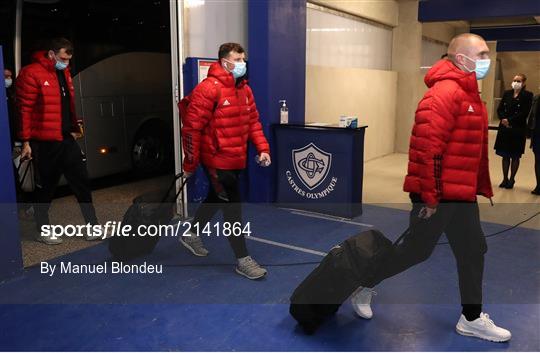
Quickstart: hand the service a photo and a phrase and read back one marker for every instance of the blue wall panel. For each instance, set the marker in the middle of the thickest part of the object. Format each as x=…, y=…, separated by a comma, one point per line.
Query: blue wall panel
x=277, y=55
x=10, y=244
x=518, y=45
x=508, y=32
x=455, y=10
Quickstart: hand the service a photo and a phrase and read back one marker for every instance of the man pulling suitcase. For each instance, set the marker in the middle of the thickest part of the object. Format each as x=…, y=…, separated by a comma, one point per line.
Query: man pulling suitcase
x=448, y=168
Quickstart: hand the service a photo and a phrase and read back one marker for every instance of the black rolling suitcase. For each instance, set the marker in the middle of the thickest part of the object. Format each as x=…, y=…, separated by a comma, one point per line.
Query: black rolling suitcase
x=347, y=266
x=152, y=208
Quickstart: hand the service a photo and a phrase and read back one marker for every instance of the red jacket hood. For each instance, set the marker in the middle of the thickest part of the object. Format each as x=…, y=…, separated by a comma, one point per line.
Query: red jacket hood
x=446, y=70
x=41, y=58
x=226, y=78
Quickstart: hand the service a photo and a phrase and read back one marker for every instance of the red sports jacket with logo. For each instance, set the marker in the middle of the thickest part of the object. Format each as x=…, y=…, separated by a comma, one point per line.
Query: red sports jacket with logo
x=221, y=117
x=448, y=155
x=39, y=102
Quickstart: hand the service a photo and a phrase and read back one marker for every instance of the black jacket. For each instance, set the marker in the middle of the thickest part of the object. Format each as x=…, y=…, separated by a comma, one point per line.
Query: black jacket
x=515, y=110
x=512, y=139
x=533, y=123
x=13, y=125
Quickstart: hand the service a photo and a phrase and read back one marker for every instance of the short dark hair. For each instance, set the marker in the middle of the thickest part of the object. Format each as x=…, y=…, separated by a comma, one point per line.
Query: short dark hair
x=226, y=48
x=56, y=44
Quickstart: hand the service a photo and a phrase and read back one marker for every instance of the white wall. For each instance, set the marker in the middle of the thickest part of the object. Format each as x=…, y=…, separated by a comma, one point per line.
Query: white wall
x=383, y=11
x=337, y=41
x=368, y=94
x=210, y=23
x=348, y=73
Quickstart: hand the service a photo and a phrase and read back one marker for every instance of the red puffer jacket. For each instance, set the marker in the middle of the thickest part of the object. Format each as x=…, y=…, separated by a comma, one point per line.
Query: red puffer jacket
x=448, y=155
x=220, y=119
x=39, y=101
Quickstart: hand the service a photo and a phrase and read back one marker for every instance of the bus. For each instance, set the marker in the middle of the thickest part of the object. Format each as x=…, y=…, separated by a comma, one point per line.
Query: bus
x=121, y=70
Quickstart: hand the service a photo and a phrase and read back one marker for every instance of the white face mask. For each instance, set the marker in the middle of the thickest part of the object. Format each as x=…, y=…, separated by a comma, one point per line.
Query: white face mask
x=481, y=67
x=8, y=82
x=516, y=85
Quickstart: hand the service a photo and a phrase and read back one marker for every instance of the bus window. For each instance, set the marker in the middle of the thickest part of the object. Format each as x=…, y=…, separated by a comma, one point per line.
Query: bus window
x=122, y=76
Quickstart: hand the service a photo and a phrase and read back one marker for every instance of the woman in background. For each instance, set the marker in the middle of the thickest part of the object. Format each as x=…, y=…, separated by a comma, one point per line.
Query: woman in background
x=510, y=144
x=534, y=125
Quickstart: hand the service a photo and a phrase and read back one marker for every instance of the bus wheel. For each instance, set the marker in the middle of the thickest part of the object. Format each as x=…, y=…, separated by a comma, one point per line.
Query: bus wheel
x=148, y=153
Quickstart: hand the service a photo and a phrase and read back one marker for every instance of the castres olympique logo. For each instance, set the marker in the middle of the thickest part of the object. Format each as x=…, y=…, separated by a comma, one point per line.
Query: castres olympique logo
x=312, y=166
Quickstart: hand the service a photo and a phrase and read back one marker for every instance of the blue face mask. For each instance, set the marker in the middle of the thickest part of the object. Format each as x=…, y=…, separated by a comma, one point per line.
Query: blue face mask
x=481, y=67
x=8, y=82
x=239, y=69
x=60, y=65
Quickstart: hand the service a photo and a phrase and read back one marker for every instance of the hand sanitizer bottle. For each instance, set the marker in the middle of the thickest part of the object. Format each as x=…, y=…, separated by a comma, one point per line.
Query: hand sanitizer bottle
x=283, y=112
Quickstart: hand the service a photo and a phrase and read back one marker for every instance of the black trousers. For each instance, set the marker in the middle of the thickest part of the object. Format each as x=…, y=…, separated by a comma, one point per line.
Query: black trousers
x=460, y=221
x=537, y=168
x=224, y=195
x=52, y=159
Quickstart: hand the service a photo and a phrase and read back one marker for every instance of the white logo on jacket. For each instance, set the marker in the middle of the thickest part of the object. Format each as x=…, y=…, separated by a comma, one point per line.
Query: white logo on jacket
x=46, y=83
x=226, y=103
x=471, y=110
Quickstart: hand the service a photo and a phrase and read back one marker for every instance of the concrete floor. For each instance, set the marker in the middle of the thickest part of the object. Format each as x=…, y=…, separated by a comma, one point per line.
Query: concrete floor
x=111, y=203
x=383, y=183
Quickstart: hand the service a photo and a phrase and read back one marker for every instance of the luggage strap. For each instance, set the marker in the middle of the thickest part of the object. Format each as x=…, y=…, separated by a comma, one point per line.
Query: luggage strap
x=19, y=179
x=176, y=177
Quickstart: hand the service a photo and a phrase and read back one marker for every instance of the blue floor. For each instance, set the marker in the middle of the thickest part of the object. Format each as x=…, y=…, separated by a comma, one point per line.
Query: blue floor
x=208, y=308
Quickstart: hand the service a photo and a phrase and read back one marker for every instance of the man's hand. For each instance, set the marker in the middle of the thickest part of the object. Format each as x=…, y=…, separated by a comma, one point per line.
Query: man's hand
x=265, y=160
x=505, y=122
x=188, y=175
x=426, y=212
x=26, y=151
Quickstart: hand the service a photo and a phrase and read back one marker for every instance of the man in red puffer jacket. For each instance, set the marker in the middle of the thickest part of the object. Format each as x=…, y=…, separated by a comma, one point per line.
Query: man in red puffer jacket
x=221, y=117
x=448, y=168
x=48, y=129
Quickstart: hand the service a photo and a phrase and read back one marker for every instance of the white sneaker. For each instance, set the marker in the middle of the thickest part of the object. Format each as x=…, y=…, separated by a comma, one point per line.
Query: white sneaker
x=483, y=328
x=48, y=240
x=361, y=302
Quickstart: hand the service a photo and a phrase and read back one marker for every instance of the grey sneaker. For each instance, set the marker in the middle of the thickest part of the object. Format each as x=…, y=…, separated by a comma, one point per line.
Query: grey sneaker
x=249, y=268
x=90, y=237
x=194, y=244
x=48, y=240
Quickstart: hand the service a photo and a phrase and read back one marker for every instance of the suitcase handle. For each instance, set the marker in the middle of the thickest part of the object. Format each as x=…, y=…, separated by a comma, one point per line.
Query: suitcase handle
x=176, y=177
x=407, y=231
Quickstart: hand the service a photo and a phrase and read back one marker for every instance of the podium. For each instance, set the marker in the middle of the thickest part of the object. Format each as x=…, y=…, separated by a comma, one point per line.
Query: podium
x=320, y=169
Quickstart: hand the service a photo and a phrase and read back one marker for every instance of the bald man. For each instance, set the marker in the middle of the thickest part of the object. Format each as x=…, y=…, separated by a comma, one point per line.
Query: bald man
x=448, y=168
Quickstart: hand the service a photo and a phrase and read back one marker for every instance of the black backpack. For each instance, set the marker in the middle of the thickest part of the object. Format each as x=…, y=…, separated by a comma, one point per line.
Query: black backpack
x=347, y=266
x=153, y=208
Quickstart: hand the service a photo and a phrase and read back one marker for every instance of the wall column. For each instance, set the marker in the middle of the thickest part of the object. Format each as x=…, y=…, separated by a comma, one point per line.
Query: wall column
x=277, y=70
x=406, y=61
